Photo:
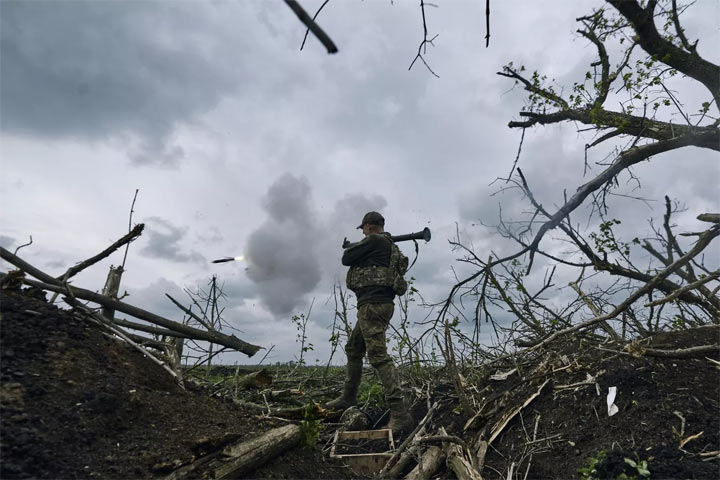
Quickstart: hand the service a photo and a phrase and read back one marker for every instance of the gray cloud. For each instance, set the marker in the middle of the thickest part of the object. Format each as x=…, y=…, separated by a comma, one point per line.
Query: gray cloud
x=152, y=298
x=164, y=241
x=102, y=70
x=55, y=264
x=6, y=242
x=212, y=235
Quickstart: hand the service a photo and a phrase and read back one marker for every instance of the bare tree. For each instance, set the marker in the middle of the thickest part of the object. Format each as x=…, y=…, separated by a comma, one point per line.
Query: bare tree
x=674, y=287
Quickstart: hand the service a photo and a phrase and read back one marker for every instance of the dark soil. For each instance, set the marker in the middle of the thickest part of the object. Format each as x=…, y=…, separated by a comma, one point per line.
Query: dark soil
x=75, y=403
x=353, y=447
x=652, y=396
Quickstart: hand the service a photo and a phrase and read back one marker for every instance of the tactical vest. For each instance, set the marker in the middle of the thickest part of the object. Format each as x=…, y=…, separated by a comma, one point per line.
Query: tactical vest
x=377, y=276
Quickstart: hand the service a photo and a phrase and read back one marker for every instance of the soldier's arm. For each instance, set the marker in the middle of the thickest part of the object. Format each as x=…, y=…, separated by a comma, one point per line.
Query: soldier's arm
x=357, y=253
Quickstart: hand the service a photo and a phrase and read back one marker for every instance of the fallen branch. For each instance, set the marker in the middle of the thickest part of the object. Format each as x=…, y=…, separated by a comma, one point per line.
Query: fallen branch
x=509, y=415
x=685, y=288
x=52, y=284
x=239, y=459
x=682, y=352
x=127, y=238
x=245, y=457
x=148, y=328
x=407, y=456
x=295, y=413
x=444, y=439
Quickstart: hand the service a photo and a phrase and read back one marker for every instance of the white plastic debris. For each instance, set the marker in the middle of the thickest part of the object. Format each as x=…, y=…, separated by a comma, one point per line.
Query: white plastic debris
x=612, y=408
x=500, y=376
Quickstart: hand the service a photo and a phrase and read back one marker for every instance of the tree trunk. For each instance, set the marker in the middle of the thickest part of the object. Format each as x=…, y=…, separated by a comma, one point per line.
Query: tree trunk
x=111, y=289
x=245, y=457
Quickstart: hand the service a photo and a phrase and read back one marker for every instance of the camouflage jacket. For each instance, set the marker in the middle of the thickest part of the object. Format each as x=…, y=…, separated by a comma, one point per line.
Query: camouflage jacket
x=373, y=251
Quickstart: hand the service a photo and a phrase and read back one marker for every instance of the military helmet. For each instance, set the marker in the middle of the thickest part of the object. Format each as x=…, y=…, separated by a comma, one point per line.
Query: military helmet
x=373, y=218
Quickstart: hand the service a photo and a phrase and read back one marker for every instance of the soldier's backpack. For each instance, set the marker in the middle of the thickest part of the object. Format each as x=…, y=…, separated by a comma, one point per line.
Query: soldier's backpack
x=398, y=267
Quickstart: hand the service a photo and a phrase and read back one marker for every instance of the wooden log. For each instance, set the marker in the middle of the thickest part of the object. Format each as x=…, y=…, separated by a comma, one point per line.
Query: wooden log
x=297, y=413
x=431, y=461
x=259, y=379
x=242, y=458
x=49, y=283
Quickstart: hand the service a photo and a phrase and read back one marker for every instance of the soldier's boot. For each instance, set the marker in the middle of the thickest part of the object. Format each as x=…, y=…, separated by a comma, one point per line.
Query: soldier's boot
x=401, y=422
x=350, y=390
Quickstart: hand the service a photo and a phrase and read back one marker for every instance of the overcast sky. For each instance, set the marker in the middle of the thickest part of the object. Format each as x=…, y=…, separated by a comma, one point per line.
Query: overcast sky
x=241, y=144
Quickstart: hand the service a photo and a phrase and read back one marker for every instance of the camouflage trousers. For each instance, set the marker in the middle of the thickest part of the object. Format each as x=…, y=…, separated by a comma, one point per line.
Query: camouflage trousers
x=368, y=336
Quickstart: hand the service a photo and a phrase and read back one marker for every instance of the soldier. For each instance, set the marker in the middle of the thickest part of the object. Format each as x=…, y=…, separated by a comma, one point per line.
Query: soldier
x=371, y=277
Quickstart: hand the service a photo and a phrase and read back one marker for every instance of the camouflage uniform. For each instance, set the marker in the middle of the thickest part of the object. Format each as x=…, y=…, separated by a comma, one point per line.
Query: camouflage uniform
x=368, y=336
x=375, y=309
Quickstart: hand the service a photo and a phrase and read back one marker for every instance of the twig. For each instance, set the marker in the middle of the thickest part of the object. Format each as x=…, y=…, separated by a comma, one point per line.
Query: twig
x=127, y=247
x=517, y=157
x=487, y=23
x=424, y=43
x=189, y=312
x=704, y=240
x=313, y=18
x=312, y=26
x=207, y=359
x=24, y=245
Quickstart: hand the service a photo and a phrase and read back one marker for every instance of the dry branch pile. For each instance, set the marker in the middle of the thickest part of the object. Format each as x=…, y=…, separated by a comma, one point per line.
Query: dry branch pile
x=172, y=333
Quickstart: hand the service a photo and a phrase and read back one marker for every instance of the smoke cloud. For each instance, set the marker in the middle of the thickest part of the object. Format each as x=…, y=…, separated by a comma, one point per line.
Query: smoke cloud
x=296, y=247
x=281, y=254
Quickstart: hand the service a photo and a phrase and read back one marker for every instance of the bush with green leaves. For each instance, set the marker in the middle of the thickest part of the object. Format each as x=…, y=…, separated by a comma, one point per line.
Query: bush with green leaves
x=311, y=426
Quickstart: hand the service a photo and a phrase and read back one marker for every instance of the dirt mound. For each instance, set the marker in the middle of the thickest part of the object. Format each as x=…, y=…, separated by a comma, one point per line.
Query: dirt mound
x=668, y=412
x=75, y=403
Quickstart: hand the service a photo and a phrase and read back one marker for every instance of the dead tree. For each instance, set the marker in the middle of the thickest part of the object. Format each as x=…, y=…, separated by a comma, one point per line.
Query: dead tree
x=671, y=285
